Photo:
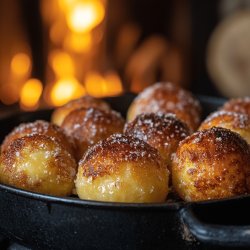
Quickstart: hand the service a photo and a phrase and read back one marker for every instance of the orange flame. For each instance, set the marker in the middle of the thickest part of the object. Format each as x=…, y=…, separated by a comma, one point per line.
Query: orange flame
x=65, y=90
x=20, y=64
x=78, y=43
x=30, y=94
x=100, y=86
x=83, y=16
x=62, y=63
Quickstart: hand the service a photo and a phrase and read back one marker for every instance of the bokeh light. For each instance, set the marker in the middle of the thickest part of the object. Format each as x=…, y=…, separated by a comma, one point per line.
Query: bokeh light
x=85, y=15
x=65, y=90
x=31, y=93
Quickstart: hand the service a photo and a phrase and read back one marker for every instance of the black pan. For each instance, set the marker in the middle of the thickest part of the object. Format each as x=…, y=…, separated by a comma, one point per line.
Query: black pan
x=47, y=222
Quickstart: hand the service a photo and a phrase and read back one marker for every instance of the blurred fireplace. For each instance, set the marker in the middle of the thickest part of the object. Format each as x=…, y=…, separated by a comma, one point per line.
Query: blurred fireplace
x=53, y=51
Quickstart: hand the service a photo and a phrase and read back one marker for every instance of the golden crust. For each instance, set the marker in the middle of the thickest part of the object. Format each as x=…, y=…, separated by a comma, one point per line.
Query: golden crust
x=239, y=105
x=38, y=163
x=211, y=164
x=88, y=126
x=167, y=98
x=236, y=122
x=60, y=113
x=39, y=127
x=122, y=168
x=161, y=131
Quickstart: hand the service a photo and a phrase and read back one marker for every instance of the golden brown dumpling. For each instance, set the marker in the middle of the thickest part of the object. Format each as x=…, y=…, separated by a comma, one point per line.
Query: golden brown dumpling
x=40, y=164
x=88, y=126
x=166, y=97
x=239, y=105
x=122, y=169
x=211, y=164
x=60, y=113
x=38, y=127
x=161, y=131
x=236, y=122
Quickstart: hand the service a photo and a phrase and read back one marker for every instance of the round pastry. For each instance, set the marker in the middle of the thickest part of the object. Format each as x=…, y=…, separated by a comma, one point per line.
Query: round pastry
x=167, y=98
x=122, y=169
x=211, y=164
x=239, y=105
x=161, y=131
x=38, y=127
x=88, y=126
x=40, y=164
x=237, y=122
x=60, y=113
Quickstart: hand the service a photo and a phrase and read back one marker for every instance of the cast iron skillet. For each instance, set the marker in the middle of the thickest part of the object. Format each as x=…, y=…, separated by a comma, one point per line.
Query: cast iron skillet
x=47, y=222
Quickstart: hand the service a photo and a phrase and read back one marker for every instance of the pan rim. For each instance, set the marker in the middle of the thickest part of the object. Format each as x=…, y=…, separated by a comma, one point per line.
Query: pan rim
x=113, y=205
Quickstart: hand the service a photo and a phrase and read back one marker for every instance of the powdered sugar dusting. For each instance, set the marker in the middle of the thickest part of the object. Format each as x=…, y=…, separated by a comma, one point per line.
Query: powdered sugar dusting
x=167, y=97
x=234, y=119
x=121, y=148
x=240, y=105
x=159, y=130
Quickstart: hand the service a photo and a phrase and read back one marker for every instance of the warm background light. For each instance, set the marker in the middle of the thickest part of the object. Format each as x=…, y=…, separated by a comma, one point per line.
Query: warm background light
x=85, y=15
x=20, y=64
x=65, y=90
x=78, y=43
x=100, y=86
x=61, y=63
x=31, y=93
x=75, y=50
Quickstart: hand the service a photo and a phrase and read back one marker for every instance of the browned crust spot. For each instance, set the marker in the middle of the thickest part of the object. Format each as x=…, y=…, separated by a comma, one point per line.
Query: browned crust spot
x=105, y=157
x=38, y=127
x=88, y=126
x=157, y=128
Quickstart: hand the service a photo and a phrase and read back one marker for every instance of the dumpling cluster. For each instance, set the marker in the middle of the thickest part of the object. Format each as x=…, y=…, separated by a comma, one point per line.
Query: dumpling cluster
x=89, y=150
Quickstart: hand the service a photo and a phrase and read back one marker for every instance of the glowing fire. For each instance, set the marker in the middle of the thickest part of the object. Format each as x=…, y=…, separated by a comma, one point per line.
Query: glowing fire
x=61, y=63
x=65, y=90
x=74, y=31
x=20, y=64
x=100, y=86
x=85, y=15
x=30, y=94
x=78, y=42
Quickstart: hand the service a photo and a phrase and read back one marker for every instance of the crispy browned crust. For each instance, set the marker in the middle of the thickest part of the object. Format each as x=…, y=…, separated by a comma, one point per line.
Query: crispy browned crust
x=39, y=127
x=167, y=98
x=88, y=126
x=56, y=158
x=105, y=157
x=83, y=102
x=225, y=118
x=216, y=162
x=161, y=131
x=240, y=105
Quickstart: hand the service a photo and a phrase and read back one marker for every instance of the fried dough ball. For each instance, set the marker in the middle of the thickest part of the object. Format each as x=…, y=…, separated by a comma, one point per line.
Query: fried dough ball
x=239, y=105
x=122, y=169
x=167, y=98
x=237, y=122
x=88, y=126
x=211, y=164
x=40, y=164
x=161, y=131
x=38, y=127
x=60, y=113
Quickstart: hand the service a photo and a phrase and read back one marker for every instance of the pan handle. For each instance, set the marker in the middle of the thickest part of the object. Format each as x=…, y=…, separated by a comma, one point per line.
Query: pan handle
x=220, y=235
